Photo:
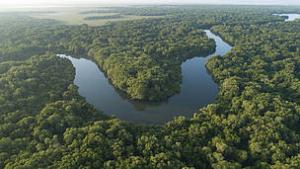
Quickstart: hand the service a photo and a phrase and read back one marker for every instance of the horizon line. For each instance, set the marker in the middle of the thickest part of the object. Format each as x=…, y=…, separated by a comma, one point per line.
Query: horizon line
x=75, y=4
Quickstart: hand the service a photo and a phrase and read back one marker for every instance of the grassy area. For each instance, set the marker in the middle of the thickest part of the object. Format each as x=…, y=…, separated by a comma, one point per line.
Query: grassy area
x=73, y=16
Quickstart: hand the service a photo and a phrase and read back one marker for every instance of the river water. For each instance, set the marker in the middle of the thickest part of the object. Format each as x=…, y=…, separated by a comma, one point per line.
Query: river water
x=291, y=17
x=197, y=90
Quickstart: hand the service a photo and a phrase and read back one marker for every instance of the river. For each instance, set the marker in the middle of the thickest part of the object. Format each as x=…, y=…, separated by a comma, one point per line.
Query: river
x=291, y=17
x=197, y=90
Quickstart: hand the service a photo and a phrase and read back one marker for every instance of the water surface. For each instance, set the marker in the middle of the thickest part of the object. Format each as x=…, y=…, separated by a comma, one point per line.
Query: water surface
x=197, y=90
x=291, y=17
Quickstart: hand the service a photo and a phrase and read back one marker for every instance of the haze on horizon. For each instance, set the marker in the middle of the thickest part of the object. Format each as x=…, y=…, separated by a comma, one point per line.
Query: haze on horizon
x=18, y=3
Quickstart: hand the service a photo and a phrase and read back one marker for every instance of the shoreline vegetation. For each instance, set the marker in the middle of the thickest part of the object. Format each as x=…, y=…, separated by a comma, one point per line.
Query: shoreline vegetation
x=117, y=16
x=45, y=123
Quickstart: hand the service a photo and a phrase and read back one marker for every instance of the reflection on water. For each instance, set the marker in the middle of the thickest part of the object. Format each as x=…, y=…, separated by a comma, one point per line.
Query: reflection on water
x=197, y=90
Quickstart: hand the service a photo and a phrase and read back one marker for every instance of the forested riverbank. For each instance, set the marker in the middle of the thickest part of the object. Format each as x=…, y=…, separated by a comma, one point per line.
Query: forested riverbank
x=197, y=90
x=45, y=123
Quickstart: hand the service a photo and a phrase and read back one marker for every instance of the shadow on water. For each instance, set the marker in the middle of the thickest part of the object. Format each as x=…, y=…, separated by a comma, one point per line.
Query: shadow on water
x=197, y=90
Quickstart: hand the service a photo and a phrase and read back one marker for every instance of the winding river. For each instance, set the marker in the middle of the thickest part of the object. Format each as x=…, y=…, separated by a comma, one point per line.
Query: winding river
x=197, y=90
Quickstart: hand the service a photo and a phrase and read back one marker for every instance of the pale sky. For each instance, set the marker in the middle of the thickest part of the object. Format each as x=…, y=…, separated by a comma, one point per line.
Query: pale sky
x=70, y=2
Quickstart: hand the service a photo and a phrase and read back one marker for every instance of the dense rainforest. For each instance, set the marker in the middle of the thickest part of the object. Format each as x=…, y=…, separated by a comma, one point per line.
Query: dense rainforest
x=45, y=123
x=141, y=58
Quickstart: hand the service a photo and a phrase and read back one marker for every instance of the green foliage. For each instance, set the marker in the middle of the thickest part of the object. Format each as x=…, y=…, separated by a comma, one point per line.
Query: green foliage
x=117, y=16
x=254, y=123
x=144, y=60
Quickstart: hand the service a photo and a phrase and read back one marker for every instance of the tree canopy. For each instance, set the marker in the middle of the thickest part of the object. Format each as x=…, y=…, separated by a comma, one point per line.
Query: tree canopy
x=254, y=123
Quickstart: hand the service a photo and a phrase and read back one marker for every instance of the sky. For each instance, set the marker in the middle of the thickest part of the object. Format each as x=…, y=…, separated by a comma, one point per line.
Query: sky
x=70, y=2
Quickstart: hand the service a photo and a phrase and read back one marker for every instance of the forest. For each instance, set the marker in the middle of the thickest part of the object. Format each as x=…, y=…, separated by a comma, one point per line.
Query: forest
x=254, y=123
x=116, y=16
x=143, y=61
